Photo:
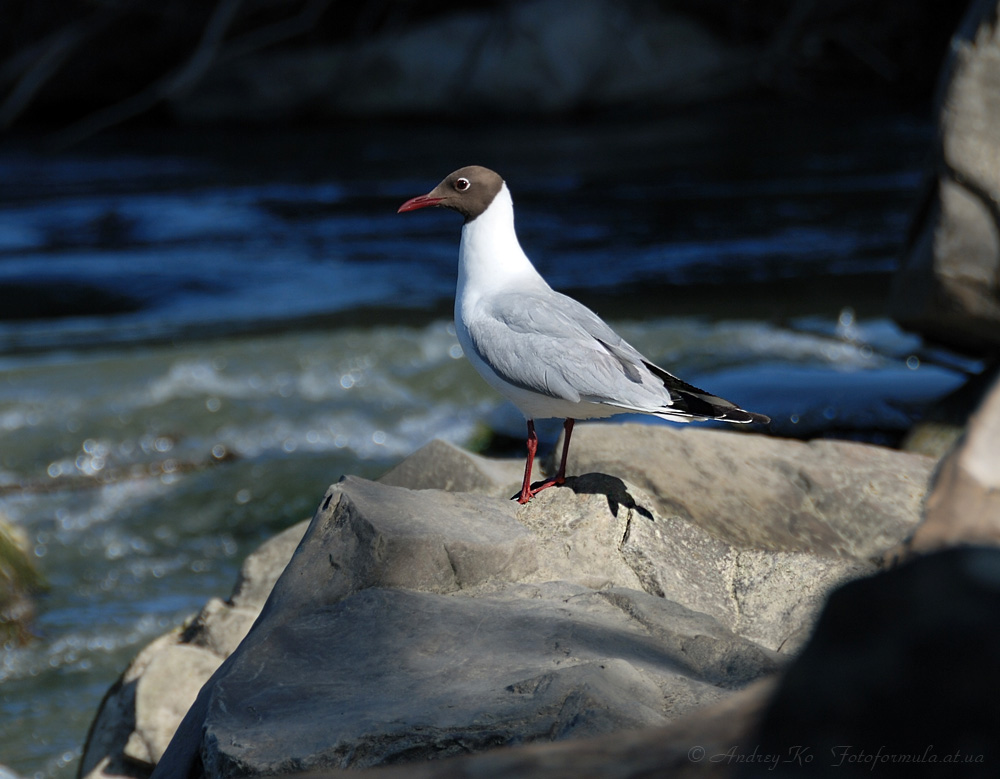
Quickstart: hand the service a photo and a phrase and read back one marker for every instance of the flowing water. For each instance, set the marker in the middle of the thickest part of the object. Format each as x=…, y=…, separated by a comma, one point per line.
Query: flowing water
x=200, y=331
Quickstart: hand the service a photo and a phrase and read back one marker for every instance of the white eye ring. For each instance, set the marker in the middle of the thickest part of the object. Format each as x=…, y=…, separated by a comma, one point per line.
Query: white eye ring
x=462, y=184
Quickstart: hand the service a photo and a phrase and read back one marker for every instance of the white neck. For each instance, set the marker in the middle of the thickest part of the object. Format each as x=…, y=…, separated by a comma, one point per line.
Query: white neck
x=490, y=258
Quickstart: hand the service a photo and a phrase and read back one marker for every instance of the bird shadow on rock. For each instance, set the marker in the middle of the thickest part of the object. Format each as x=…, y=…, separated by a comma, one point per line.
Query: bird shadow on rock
x=611, y=487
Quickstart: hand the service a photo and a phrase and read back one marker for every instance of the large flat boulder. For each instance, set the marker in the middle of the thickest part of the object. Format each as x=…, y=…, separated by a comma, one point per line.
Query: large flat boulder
x=696, y=745
x=392, y=675
x=678, y=567
x=831, y=499
x=406, y=626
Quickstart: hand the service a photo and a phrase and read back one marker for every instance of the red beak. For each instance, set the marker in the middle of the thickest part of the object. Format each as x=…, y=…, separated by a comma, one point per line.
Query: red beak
x=421, y=201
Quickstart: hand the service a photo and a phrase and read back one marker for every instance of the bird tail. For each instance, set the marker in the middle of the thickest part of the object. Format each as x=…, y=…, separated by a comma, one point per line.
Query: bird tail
x=692, y=402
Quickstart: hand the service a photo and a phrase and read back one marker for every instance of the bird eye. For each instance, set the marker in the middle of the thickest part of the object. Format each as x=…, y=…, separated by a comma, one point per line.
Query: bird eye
x=462, y=184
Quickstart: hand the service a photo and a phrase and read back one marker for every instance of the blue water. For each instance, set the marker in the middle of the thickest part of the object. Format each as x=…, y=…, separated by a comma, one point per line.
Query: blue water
x=199, y=331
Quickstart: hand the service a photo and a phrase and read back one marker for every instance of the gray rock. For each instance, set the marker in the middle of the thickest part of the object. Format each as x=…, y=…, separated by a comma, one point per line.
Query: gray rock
x=937, y=432
x=688, y=747
x=946, y=287
x=833, y=499
x=416, y=622
x=261, y=569
x=361, y=670
x=387, y=676
x=591, y=539
x=759, y=552
x=373, y=535
x=443, y=466
x=220, y=626
x=164, y=692
x=114, y=725
x=963, y=506
x=737, y=555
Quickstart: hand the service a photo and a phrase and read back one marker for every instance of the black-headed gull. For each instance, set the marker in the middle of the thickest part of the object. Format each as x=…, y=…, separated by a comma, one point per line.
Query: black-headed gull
x=548, y=354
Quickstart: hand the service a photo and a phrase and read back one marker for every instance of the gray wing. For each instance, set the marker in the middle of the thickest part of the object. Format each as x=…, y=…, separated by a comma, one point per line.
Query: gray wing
x=549, y=343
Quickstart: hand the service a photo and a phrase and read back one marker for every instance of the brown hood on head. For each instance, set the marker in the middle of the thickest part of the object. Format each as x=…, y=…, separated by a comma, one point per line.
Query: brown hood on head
x=468, y=190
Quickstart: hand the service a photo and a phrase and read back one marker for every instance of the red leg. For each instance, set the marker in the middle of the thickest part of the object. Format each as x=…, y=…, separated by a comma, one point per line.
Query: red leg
x=527, y=493
x=561, y=473
x=532, y=444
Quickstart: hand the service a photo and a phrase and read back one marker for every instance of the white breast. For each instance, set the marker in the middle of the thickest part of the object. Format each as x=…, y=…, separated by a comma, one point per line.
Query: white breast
x=491, y=260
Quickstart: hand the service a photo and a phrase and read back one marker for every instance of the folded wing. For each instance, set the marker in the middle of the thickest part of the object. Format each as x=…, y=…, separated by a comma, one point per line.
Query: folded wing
x=553, y=345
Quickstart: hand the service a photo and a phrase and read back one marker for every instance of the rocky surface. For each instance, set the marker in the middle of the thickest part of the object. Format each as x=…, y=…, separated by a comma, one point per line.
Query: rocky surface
x=947, y=287
x=964, y=504
x=900, y=678
x=690, y=746
x=826, y=498
x=939, y=428
x=677, y=568
x=366, y=615
x=915, y=646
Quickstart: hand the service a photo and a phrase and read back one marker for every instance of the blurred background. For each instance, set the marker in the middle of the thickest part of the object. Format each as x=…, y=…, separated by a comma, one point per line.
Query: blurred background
x=209, y=309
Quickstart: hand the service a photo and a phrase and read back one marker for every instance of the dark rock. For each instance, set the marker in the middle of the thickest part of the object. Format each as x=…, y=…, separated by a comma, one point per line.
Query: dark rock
x=389, y=676
x=900, y=678
x=684, y=748
x=946, y=287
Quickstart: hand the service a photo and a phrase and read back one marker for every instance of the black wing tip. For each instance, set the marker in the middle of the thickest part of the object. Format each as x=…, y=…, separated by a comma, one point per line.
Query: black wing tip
x=699, y=403
x=738, y=416
x=704, y=408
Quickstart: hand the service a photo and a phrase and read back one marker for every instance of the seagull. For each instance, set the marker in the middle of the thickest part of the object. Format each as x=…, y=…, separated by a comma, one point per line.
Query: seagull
x=548, y=354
